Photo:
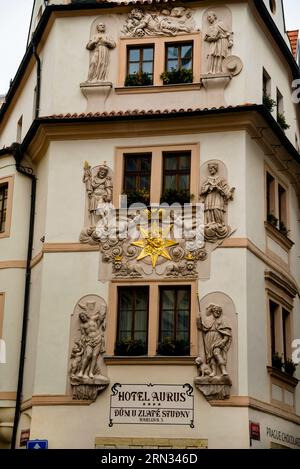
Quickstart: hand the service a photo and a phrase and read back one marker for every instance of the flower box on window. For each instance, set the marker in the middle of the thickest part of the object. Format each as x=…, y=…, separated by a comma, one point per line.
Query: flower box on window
x=130, y=348
x=169, y=347
x=138, y=79
x=177, y=75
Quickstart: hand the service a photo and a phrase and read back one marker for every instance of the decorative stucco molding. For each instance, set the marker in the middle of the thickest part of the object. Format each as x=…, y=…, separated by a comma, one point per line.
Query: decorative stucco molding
x=99, y=46
x=88, y=325
x=163, y=22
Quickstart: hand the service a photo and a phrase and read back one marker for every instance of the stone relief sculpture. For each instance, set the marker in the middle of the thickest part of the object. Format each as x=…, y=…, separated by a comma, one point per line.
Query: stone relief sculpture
x=220, y=42
x=215, y=194
x=218, y=59
x=213, y=379
x=166, y=22
x=99, y=46
x=99, y=189
x=88, y=344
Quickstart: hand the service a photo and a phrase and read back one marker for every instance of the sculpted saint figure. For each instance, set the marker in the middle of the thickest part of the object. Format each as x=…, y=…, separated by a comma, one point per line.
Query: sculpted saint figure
x=99, y=189
x=217, y=339
x=92, y=329
x=99, y=45
x=220, y=41
x=215, y=193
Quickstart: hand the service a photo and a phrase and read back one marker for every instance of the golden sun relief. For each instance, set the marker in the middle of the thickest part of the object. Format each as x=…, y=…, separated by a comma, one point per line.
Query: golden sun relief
x=155, y=243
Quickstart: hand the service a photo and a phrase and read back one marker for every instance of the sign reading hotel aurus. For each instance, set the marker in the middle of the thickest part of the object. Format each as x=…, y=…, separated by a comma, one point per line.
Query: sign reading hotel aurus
x=152, y=404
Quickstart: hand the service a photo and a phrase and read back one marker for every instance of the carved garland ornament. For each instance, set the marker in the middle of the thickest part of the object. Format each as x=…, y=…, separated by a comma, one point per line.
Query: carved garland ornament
x=165, y=22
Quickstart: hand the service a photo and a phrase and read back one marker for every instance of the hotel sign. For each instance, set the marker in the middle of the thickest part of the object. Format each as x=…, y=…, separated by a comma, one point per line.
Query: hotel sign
x=152, y=404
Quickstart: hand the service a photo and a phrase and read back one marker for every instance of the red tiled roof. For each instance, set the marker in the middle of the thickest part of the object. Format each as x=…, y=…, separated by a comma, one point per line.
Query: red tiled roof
x=137, y=112
x=293, y=37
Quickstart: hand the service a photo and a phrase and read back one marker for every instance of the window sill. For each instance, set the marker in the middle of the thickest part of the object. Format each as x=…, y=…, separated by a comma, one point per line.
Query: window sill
x=145, y=360
x=281, y=376
x=157, y=88
x=285, y=242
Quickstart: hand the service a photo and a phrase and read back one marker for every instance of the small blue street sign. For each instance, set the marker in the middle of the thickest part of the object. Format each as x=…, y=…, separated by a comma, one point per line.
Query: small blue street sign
x=37, y=444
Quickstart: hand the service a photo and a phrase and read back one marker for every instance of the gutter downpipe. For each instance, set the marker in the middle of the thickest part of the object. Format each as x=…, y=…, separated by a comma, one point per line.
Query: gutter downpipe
x=28, y=172
x=17, y=152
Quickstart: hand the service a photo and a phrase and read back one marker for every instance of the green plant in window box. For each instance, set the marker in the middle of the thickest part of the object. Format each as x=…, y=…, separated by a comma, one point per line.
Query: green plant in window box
x=138, y=79
x=171, y=196
x=283, y=229
x=177, y=75
x=268, y=102
x=171, y=347
x=130, y=347
x=272, y=220
x=277, y=361
x=138, y=196
x=289, y=367
x=282, y=122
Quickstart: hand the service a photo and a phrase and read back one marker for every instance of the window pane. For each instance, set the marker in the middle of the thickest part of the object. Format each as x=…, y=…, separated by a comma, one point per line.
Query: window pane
x=184, y=182
x=133, y=68
x=168, y=299
x=131, y=164
x=186, y=52
x=147, y=67
x=184, y=162
x=134, y=55
x=129, y=183
x=172, y=64
x=172, y=52
x=141, y=301
x=167, y=324
x=170, y=182
x=183, y=299
x=148, y=54
x=171, y=162
x=146, y=164
x=187, y=64
x=145, y=182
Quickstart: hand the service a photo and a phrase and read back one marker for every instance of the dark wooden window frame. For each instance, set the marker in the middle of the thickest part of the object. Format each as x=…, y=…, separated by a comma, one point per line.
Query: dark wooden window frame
x=175, y=288
x=176, y=172
x=179, y=45
x=141, y=61
x=133, y=302
x=137, y=174
x=3, y=211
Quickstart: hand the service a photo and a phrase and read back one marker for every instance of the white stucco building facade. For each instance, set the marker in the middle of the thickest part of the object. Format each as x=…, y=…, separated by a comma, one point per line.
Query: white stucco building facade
x=174, y=102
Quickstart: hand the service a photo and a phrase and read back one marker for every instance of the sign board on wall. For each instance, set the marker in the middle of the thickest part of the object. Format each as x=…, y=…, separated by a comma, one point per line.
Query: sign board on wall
x=254, y=429
x=152, y=404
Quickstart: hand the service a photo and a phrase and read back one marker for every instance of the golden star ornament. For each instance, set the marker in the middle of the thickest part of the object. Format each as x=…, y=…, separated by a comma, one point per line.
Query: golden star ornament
x=154, y=243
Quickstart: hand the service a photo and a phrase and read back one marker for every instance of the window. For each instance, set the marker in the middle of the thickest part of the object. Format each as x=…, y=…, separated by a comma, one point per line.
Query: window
x=132, y=321
x=179, y=56
x=137, y=177
x=280, y=332
x=19, y=130
x=139, y=65
x=3, y=205
x=157, y=61
x=276, y=204
x=6, y=196
x=279, y=101
x=176, y=169
x=176, y=173
x=1, y=314
x=174, y=333
x=266, y=83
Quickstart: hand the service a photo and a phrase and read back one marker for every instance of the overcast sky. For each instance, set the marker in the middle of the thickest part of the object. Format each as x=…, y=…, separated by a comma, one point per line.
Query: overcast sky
x=14, y=24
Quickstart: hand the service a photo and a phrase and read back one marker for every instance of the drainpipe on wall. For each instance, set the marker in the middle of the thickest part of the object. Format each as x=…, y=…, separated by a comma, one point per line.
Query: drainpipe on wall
x=38, y=80
x=28, y=172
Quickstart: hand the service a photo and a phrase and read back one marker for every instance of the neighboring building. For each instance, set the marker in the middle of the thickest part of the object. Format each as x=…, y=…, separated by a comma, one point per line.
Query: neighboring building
x=164, y=102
